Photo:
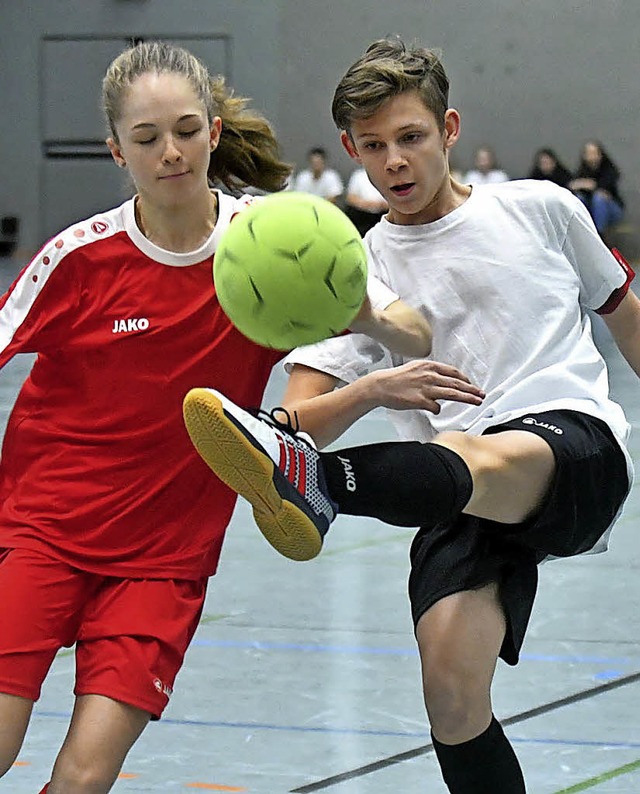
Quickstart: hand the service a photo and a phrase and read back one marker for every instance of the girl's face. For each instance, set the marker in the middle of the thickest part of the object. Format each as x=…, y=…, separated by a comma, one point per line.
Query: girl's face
x=165, y=139
x=546, y=163
x=592, y=155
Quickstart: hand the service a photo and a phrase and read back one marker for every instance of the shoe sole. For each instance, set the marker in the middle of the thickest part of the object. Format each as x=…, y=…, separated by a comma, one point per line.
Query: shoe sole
x=250, y=473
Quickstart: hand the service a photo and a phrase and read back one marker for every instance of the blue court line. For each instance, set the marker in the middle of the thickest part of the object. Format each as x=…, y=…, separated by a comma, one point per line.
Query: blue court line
x=264, y=726
x=308, y=647
x=576, y=743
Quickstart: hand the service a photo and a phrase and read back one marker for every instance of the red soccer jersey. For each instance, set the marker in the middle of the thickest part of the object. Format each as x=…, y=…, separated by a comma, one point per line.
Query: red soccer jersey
x=97, y=468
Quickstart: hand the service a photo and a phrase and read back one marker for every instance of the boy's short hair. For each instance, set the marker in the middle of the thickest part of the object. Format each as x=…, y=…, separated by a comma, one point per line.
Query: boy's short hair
x=388, y=68
x=319, y=151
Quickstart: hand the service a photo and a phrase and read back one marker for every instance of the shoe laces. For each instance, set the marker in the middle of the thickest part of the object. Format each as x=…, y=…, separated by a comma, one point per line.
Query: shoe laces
x=271, y=418
x=290, y=427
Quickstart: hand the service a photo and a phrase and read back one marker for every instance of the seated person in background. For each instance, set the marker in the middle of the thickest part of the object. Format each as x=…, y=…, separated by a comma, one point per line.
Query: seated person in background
x=547, y=165
x=485, y=169
x=363, y=203
x=596, y=185
x=318, y=178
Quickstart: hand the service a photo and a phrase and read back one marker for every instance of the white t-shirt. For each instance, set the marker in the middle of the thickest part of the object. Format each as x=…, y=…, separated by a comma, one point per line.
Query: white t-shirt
x=328, y=185
x=493, y=177
x=505, y=280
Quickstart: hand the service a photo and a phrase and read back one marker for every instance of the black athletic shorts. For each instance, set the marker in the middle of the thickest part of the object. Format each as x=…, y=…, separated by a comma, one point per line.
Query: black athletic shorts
x=589, y=487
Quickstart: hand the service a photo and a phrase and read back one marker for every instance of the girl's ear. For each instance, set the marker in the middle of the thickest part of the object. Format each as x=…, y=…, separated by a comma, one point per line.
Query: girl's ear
x=214, y=133
x=116, y=153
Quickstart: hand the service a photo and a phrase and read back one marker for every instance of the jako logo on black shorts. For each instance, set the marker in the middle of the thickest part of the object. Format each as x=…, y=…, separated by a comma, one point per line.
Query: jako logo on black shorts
x=529, y=420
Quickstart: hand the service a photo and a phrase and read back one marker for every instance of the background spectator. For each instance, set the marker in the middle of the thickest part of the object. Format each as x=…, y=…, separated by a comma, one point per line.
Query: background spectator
x=485, y=169
x=547, y=165
x=596, y=185
x=363, y=203
x=456, y=173
x=318, y=178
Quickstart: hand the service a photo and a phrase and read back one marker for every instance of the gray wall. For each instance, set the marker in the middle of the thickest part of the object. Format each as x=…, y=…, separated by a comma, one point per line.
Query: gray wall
x=257, y=52
x=524, y=74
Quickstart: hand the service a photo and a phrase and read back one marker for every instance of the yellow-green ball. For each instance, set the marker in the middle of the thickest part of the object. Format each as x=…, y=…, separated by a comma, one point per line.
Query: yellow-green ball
x=290, y=270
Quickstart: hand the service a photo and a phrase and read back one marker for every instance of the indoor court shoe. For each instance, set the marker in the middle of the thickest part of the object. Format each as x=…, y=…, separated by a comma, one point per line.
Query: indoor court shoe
x=276, y=469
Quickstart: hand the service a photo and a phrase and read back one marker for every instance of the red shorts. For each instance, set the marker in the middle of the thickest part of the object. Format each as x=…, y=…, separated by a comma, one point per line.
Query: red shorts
x=130, y=634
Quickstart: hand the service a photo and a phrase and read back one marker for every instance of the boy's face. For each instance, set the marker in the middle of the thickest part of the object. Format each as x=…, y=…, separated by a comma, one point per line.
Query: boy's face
x=317, y=164
x=406, y=157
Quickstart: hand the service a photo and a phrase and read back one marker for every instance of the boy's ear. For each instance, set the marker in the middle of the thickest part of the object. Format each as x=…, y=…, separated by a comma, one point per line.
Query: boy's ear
x=451, y=127
x=349, y=146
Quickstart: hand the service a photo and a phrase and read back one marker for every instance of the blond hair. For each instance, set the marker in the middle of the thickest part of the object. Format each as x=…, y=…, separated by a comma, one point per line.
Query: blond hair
x=388, y=68
x=247, y=153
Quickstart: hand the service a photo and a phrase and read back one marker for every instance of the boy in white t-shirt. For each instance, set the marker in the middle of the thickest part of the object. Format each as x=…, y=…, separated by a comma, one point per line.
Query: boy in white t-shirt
x=318, y=178
x=363, y=204
x=537, y=468
x=485, y=170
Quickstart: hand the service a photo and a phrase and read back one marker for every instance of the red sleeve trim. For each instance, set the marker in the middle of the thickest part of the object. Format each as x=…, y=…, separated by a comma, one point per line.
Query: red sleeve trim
x=618, y=294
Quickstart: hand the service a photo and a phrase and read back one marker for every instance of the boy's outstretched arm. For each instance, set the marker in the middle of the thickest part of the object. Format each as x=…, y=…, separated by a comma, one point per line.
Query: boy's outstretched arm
x=399, y=327
x=325, y=412
x=624, y=324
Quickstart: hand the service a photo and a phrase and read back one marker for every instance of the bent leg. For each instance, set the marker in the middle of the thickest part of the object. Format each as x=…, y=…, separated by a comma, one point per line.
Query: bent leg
x=511, y=472
x=15, y=713
x=39, y=597
x=600, y=211
x=101, y=733
x=130, y=648
x=605, y=211
x=459, y=639
x=502, y=477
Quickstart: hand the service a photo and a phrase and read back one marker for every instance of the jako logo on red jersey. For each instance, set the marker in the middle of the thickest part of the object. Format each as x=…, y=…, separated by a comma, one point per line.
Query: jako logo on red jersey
x=99, y=227
x=128, y=326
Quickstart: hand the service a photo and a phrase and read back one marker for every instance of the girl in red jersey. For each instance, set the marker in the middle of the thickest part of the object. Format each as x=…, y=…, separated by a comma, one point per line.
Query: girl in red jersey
x=110, y=524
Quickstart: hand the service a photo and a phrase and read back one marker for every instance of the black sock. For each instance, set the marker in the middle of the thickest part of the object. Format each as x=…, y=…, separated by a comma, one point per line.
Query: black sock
x=484, y=765
x=402, y=483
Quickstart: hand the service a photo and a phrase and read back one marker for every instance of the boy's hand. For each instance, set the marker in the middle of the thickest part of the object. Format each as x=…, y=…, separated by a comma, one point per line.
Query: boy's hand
x=420, y=384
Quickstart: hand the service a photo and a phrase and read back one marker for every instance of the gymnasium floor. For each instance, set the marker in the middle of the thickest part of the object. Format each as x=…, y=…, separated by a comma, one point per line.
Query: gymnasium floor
x=304, y=677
